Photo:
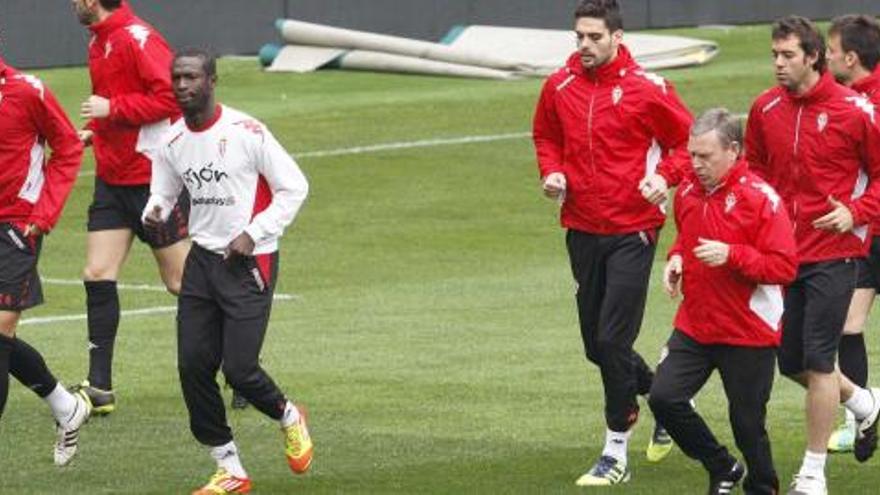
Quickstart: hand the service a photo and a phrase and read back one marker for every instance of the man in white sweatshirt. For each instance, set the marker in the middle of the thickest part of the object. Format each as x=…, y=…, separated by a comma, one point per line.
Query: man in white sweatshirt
x=244, y=189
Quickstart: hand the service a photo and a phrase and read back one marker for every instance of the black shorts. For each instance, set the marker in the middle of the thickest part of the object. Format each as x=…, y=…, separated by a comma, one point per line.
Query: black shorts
x=816, y=305
x=20, y=287
x=121, y=207
x=869, y=268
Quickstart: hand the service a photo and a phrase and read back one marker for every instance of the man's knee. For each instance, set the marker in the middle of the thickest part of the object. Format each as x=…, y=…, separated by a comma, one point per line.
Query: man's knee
x=663, y=402
x=173, y=286
x=93, y=273
x=239, y=375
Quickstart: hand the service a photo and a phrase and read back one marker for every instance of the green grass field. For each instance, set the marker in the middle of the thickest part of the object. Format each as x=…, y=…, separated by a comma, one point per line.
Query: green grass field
x=434, y=336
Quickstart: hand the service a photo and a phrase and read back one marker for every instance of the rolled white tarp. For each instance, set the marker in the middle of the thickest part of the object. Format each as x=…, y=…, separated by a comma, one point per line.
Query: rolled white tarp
x=302, y=59
x=309, y=34
x=386, y=62
x=547, y=49
x=295, y=58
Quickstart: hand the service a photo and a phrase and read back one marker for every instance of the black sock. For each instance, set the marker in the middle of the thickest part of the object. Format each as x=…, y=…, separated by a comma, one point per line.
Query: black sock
x=854, y=359
x=26, y=364
x=6, y=345
x=102, y=305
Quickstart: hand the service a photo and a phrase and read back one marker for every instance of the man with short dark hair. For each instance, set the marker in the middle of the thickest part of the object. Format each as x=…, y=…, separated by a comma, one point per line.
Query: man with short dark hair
x=129, y=110
x=33, y=191
x=853, y=55
x=245, y=189
x=734, y=251
x=817, y=143
x=610, y=139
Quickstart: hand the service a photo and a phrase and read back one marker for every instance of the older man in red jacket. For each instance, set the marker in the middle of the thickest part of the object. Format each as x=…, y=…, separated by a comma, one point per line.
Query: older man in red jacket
x=818, y=144
x=734, y=251
x=33, y=191
x=130, y=108
x=610, y=138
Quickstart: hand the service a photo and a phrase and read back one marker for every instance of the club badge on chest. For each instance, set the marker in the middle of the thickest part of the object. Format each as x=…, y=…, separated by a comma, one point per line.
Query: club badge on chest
x=616, y=95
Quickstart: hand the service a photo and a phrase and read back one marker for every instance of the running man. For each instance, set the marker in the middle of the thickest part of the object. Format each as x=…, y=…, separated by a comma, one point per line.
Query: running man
x=610, y=140
x=33, y=191
x=245, y=190
x=129, y=110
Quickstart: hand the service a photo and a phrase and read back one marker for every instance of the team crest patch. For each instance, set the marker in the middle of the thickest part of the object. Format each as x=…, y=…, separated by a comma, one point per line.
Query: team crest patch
x=822, y=121
x=729, y=202
x=616, y=94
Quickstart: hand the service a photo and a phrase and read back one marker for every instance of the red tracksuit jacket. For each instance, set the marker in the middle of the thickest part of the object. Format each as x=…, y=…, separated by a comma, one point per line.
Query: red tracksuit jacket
x=606, y=131
x=869, y=87
x=32, y=189
x=130, y=64
x=739, y=303
x=824, y=143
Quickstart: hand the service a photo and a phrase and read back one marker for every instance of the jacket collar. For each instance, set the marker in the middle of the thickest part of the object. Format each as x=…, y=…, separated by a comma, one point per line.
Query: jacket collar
x=868, y=85
x=736, y=172
x=821, y=91
x=119, y=18
x=613, y=70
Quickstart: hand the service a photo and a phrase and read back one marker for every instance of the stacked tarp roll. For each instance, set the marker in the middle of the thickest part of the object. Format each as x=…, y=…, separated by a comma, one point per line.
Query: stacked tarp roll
x=467, y=51
x=309, y=34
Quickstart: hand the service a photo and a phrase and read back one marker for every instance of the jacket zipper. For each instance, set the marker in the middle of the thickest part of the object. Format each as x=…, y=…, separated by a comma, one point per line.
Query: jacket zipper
x=590, y=133
x=797, y=174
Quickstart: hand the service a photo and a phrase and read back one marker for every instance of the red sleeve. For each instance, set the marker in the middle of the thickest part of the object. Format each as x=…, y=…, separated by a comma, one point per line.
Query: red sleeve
x=676, y=248
x=867, y=207
x=153, y=64
x=670, y=121
x=547, y=133
x=61, y=169
x=756, y=152
x=773, y=257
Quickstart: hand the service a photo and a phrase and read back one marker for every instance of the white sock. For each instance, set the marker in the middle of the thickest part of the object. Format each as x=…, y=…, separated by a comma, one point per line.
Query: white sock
x=813, y=465
x=850, y=419
x=62, y=403
x=615, y=445
x=290, y=416
x=227, y=458
x=861, y=403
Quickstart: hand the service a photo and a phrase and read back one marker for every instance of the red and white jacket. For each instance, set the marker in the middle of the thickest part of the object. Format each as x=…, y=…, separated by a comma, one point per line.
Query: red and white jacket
x=606, y=130
x=869, y=87
x=130, y=64
x=739, y=303
x=809, y=147
x=32, y=188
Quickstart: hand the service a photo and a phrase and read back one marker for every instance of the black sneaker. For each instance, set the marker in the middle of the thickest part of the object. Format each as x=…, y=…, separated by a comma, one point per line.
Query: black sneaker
x=103, y=401
x=866, y=434
x=238, y=401
x=725, y=483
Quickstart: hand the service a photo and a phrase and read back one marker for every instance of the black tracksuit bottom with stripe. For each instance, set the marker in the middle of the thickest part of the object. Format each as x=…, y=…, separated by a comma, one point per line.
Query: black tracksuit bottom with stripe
x=223, y=314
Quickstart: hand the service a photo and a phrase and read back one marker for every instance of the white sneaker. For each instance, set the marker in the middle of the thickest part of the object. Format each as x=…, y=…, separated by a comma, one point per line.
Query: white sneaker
x=808, y=485
x=67, y=434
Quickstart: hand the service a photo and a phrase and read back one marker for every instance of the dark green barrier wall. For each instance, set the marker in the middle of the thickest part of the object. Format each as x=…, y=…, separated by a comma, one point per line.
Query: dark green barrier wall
x=39, y=33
